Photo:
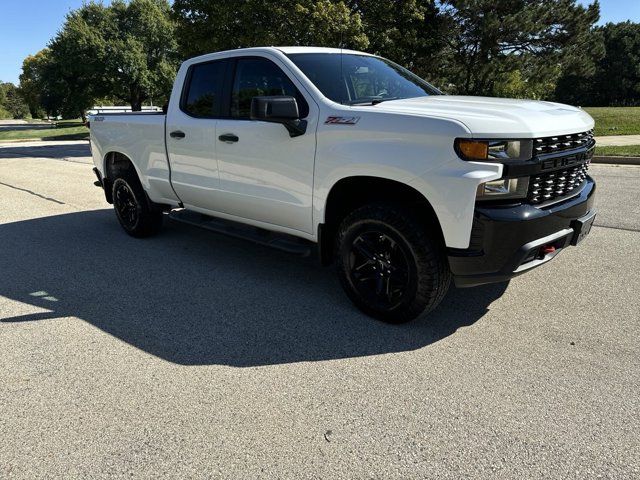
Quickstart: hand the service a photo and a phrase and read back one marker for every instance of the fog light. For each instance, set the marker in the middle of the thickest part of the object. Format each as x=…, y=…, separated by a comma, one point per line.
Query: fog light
x=503, y=188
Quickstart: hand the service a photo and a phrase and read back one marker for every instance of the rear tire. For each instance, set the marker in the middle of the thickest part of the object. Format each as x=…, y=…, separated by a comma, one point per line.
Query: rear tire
x=390, y=264
x=137, y=215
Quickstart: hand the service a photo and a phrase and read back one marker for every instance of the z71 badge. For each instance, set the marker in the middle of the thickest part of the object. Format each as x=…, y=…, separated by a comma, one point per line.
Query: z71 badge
x=341, y=120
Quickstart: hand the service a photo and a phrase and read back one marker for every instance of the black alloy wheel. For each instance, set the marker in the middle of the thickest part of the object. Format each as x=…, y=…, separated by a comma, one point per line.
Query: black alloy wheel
x=138, y=216
x=379, y=268
x=391, y=262
x=126, y=205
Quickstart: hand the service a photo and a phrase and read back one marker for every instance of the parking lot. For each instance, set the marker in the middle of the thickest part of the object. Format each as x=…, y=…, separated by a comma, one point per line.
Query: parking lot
x=193, y=354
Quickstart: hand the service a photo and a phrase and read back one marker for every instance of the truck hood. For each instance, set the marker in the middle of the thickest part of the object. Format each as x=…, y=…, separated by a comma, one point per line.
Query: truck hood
x=496, y=117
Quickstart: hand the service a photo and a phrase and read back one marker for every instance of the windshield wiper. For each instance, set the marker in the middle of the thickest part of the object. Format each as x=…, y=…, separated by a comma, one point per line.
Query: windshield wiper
x=370, y=101
x=380, y=100
x=357, y=102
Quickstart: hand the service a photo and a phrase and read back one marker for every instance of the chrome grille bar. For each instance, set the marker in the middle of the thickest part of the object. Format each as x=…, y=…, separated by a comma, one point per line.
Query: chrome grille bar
x=542, y=146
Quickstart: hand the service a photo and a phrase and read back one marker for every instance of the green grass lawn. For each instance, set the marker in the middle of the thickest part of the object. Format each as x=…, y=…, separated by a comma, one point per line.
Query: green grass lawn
x=615, y=120
x=62, y=130
x=625, y=151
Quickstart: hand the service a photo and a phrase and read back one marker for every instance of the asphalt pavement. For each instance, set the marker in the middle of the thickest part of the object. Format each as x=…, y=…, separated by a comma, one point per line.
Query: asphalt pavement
x=194, y=355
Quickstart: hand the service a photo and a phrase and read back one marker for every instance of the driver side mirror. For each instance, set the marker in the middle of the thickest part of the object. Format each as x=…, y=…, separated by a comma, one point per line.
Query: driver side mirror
x=279, y=109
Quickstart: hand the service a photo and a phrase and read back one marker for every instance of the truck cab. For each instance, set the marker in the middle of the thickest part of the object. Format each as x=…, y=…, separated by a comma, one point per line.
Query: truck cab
x=403, y=188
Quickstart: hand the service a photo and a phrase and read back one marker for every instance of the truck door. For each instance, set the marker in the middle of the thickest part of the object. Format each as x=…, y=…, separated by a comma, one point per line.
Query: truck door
x=265, y=174
x=191, y=134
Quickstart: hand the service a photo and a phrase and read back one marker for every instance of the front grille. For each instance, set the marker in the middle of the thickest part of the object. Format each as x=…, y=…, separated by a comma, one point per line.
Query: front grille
x=545, y=187
x=560, y=143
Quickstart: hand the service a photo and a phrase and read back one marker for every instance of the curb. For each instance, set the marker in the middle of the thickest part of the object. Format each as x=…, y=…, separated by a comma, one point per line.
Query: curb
x=44, y=139
x=51, y=143
x=22, y=140
x=616, y=160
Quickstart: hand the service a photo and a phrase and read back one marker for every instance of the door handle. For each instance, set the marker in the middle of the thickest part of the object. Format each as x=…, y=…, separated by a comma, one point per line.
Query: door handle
x=177, y=134
x=229, y=138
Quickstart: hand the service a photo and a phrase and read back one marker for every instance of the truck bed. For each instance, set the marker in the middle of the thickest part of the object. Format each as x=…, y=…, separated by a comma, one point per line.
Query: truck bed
x=140, y=136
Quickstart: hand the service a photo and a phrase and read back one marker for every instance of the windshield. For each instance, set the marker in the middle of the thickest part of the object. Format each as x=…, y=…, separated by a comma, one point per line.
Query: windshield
x=360, y=79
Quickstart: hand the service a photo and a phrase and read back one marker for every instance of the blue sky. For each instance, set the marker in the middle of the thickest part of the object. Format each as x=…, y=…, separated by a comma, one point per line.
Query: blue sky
x=27, y=25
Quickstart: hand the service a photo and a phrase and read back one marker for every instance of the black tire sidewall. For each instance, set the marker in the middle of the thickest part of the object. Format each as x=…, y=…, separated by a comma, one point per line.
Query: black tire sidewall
x=149, y=220
x=139, y=206
x=429, y=270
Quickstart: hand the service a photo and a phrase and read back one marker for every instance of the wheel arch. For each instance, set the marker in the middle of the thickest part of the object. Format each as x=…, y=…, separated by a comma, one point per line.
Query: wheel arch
x=115, y=163
x=352, y=192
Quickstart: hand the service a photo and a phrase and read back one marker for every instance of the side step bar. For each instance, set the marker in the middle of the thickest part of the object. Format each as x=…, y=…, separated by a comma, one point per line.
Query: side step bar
x=279, y=241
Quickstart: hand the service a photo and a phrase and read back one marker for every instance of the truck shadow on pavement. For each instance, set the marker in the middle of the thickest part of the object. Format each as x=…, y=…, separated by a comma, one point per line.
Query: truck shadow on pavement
x=196, y=298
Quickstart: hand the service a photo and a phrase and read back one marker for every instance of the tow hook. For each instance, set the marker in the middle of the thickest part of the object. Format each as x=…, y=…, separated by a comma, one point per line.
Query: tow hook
x=547, y=249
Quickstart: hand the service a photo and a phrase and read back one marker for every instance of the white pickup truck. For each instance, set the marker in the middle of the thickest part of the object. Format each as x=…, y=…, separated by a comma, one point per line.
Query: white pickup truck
x=402, y=187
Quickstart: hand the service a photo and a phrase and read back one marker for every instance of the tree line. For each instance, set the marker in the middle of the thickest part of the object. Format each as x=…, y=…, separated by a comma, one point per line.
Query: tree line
x=128, y=52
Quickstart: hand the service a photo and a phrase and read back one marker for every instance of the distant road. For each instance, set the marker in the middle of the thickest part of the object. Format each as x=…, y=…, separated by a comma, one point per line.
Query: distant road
x=10, y=125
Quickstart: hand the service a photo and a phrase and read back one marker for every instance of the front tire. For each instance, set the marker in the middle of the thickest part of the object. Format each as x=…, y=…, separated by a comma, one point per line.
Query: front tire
x=136, y=214
x=389, y=263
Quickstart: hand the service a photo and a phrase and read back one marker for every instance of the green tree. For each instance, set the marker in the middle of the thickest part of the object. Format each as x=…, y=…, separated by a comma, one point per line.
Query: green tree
x=32, y=81
x=12, y=102
x=75, y=73
x=205, y=26
x=3, y=111
x=616, y=80
x=37, y=80
x=125, y=50
x=405, y=31
x=139, y=51
x=622, y=63
x=519, y=84
x=488, y=39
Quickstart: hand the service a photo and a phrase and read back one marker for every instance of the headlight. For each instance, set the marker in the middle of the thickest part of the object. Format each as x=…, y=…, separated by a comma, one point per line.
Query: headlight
x=493, y=150
x=504, y=188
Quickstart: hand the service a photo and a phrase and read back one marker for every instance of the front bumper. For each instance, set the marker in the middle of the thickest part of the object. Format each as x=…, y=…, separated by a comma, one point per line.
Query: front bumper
x=506, y=241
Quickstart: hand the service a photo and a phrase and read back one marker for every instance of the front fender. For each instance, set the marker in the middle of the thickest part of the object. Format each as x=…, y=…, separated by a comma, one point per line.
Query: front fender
x=418, y=152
